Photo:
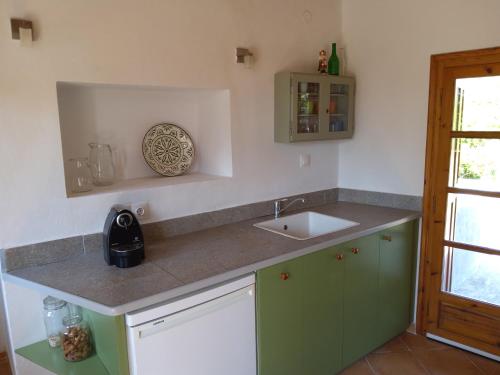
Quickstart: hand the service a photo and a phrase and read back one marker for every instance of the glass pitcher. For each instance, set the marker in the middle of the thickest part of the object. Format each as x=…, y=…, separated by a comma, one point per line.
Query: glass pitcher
x=101, y=164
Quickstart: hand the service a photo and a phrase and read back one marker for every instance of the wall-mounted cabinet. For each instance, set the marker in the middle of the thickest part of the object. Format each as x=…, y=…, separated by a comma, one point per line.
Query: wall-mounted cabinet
x=310, y=107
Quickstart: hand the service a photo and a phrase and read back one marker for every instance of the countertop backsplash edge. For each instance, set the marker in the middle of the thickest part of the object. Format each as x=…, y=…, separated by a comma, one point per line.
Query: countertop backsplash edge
x=57, y=250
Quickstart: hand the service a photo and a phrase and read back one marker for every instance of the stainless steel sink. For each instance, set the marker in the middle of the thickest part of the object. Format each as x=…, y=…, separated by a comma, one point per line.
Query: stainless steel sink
x=305, y=225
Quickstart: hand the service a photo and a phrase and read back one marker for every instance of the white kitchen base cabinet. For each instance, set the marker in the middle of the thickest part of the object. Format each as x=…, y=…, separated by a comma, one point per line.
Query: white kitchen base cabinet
x=210, y=333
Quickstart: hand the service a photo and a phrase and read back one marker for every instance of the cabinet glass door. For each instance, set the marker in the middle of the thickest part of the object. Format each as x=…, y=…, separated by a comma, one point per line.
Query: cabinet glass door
x=308, y=97
x=338, y=107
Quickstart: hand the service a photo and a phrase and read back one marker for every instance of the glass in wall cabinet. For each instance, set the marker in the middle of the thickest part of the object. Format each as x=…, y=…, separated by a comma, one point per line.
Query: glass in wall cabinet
x=338, y=107
x=313, y=107
x=308, y=107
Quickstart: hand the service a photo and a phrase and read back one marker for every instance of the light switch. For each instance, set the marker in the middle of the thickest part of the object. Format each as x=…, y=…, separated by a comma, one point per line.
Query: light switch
x=304, y=160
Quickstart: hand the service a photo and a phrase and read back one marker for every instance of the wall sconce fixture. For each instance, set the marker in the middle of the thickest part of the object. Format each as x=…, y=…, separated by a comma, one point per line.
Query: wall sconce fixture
x=244, y=56
x=22, y=30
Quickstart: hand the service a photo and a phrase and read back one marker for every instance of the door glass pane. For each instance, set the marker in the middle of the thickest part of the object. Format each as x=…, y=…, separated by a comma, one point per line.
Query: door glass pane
x=338, y=108
x=477, y=104
x=308, y=107
x=473, y=220
x=475, y=163
x=472, y=275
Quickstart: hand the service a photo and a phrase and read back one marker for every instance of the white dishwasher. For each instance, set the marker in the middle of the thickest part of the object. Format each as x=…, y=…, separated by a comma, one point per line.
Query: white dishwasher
x=208, y=333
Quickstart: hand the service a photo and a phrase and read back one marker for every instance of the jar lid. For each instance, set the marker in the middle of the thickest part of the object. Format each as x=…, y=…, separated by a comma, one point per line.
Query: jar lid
x=52, y=303
x=72, y=320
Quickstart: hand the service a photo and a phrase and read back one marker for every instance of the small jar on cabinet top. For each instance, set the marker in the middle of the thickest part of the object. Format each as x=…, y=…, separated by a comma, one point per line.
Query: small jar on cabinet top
x=76, y=341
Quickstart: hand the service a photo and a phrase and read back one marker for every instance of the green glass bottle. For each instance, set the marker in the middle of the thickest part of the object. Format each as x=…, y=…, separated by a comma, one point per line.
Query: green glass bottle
x=333, y=62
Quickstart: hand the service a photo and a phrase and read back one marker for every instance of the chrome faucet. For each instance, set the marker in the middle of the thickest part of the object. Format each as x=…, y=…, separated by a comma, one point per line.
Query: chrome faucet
x=278, y=210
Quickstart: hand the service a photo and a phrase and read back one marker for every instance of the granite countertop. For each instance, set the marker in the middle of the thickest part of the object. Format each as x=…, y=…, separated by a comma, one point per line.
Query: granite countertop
x=187, y=263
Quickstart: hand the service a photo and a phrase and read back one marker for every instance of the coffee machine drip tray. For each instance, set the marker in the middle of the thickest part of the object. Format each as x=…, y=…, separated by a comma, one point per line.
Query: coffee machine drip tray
x=120, y=248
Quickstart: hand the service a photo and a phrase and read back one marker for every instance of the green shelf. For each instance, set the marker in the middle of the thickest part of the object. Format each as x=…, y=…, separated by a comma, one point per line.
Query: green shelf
x=110, y=345
x=52, y=359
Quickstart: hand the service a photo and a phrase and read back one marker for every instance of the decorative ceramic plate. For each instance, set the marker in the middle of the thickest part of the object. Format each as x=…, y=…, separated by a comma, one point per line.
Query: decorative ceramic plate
x=168, y=149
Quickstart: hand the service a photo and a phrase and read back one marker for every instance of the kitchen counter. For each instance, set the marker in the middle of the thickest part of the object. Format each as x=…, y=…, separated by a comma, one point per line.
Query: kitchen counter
x=187, y=263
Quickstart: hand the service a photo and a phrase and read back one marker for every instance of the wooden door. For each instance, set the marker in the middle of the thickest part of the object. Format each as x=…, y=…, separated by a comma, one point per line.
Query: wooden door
x=361, y=259
x=459, y=294
x=280, y=333
x=395, y=280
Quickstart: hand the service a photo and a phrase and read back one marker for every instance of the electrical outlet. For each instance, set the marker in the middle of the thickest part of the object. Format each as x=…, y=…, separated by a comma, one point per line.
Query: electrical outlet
x=304, y=160
x=140, y=210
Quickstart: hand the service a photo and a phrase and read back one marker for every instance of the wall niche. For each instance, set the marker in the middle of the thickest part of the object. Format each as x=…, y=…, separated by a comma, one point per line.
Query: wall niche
x=120, y=115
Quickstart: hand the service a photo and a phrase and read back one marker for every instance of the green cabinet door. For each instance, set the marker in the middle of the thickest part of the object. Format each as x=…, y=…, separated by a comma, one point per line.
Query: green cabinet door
x=395, y=280
x=361, y=258
x=299, y=316
x=322, y=301
x=279, y=319
x=321, y=312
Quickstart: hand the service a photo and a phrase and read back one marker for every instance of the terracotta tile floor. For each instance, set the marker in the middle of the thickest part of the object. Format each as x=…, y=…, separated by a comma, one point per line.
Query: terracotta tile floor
x=4, y=366
x=407, y=354
x=411, y=354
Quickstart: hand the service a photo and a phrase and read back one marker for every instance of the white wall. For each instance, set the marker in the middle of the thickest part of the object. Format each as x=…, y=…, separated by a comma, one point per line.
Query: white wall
x=178, y=43
x=190, y=43
x=388, y=46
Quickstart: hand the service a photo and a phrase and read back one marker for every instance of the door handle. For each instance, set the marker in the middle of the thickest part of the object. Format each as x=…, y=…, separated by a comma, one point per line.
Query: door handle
x=284, y=276
x=339, y=257
x=386, y=237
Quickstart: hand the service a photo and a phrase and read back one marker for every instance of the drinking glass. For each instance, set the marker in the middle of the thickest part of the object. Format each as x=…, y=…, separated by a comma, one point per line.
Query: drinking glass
x=81, y=179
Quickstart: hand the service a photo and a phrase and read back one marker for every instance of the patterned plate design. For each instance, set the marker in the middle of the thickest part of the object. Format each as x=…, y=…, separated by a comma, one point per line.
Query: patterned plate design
x=168, y=149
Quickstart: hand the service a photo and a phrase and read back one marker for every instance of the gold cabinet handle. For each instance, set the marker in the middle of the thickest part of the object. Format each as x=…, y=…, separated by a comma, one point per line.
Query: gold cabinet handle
x=284, y=276
x=339, y=257
x=386, y=237
x=355, y=250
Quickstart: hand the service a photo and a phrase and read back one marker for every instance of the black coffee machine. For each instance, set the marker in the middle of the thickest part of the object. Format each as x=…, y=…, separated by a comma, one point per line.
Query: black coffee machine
x=123, y=239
